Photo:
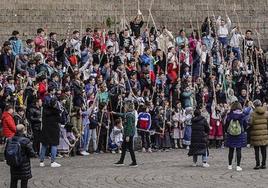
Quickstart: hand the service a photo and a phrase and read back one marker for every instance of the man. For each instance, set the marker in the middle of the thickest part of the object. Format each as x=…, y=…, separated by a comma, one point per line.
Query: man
x=16, y=43
x=52, y=42
x=87, y=40
x=129, y=132
x=35, y=119
x=23, y=171
x=259, y=133
x=8, y=123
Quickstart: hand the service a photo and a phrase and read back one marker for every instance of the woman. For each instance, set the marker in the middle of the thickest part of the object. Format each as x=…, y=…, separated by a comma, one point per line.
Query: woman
x=235, y=118
x=199, y=138
x=50, y=134
x=259, y=133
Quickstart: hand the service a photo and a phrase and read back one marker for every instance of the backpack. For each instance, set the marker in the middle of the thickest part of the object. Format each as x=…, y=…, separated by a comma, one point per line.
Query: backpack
x=13, y=153
x=234, y=128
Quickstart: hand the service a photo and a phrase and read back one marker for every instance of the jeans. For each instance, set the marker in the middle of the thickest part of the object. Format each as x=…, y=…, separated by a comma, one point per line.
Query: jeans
x=43, y=153
x=128, y=145
x=14, y=183
x=85, y=137
x=231, y=155
x=92, y=133
x=204, y=158
x=237, y=53
x=257, y=155
x=145, y=139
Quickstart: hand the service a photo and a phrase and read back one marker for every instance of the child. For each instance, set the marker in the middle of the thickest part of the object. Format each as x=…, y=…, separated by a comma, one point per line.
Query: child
x=188, y=128
x=144, y=124
x=178, y=119
x=116, y=136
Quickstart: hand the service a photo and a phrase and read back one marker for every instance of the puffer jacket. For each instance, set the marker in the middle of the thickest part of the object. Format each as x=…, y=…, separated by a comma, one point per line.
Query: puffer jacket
x=8, y=123
x=23, y=172
x=258, y=127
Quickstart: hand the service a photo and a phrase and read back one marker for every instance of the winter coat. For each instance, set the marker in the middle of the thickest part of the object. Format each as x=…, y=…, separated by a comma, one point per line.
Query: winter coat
x=8, y=124
x=23, y=172
x=199, y=137
x=259, y=128
x=35, y=118
x=240, y=140
x=129, y=123
x=50, y=134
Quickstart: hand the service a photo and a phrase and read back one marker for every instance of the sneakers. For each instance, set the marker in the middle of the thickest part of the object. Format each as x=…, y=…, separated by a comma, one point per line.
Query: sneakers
x=149, y=150
x=55, y=165
x=205, y=165
x=230, y=167
x=113, y=152
x=133, y=165
x=143, y=150
x=120, y=151
x=238, y=168
x=42, y=164
x=188, y=147
x=263, y=167
x=119, y=164
x=194, y=165
x=84, y=153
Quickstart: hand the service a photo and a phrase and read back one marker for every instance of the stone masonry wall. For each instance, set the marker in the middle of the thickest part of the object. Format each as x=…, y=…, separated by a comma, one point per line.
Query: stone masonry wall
x=57, y=15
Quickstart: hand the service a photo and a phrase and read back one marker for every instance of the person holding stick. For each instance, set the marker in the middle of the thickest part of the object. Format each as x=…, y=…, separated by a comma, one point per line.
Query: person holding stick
x=128, y=134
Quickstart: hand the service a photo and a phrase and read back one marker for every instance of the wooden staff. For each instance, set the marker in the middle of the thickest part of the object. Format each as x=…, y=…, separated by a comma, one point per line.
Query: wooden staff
x=149, y=16
x=81, y=19
x=14, y=68
x=99, y=128
x=192, y=66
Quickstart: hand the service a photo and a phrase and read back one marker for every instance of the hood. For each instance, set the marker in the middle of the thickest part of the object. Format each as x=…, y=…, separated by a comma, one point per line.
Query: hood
x=260, y=110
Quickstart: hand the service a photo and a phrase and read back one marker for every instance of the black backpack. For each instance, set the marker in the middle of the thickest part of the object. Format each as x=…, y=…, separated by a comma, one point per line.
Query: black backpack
x=13, y=153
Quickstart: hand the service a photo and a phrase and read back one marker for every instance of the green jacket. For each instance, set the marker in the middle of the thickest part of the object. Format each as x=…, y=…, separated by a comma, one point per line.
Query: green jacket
x=129, y=123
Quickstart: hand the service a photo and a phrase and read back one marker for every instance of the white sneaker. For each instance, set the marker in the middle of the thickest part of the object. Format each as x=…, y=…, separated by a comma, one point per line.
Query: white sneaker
x=230, y=167
x=238, y=168
x=120, y=151
x=55, y=165
x=143, y=150
x=194, y=165
x=150, y=150
x=42, y=164
x=113, y=152
x=84, y=153
x=205, y=165
x=188, y=147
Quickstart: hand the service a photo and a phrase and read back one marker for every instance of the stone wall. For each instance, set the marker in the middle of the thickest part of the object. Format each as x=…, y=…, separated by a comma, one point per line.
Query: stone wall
x=58, y=15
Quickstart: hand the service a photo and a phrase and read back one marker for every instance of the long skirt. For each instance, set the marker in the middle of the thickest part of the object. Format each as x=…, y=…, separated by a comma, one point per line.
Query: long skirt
x=187, y=135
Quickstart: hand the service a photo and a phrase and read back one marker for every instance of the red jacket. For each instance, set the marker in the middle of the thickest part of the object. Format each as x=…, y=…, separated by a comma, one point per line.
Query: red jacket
x=9, y=126
x=42, y=90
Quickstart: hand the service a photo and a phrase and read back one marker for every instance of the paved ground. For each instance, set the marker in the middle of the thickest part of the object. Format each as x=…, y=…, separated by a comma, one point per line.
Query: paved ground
x=161, y=169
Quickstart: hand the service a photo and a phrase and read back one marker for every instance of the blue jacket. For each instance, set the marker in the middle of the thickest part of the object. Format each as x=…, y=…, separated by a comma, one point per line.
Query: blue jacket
x=144, y=120
x=147, y=60
x=16, y=44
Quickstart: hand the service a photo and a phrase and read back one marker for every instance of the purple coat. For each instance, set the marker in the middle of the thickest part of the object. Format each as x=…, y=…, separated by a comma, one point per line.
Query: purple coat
x=240, y=140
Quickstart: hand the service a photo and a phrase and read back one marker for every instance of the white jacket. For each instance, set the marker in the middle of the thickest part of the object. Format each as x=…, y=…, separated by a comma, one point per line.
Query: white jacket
x=223, y=31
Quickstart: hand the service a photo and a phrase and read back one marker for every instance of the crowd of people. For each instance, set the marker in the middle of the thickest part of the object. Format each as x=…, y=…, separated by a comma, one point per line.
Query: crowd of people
x=191, y=91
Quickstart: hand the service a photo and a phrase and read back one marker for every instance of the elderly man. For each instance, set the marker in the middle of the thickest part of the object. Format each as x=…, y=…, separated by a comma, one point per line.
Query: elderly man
x=259, y=133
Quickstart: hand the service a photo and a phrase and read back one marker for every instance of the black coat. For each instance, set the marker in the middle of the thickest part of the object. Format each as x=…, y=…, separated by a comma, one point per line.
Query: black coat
x=24, y=171
x=35, y=118
x=199, y=138
x=50, y=134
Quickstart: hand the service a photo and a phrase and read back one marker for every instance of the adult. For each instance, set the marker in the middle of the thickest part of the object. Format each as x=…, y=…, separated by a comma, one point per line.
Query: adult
x=259, y=133
x=199, y=138
x=8, y=123
x=22, y=172
x=50, y=133
x=128, y=135
x=235, y=118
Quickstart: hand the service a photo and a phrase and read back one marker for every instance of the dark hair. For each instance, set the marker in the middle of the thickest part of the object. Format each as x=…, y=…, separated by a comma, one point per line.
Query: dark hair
x=15, y=33
x=88, y=30
x=75, y=32
x=8, y=107
x=52, y=33
x=28, y=41
x=40, y=30
x=197, y=112
x=248, y=31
